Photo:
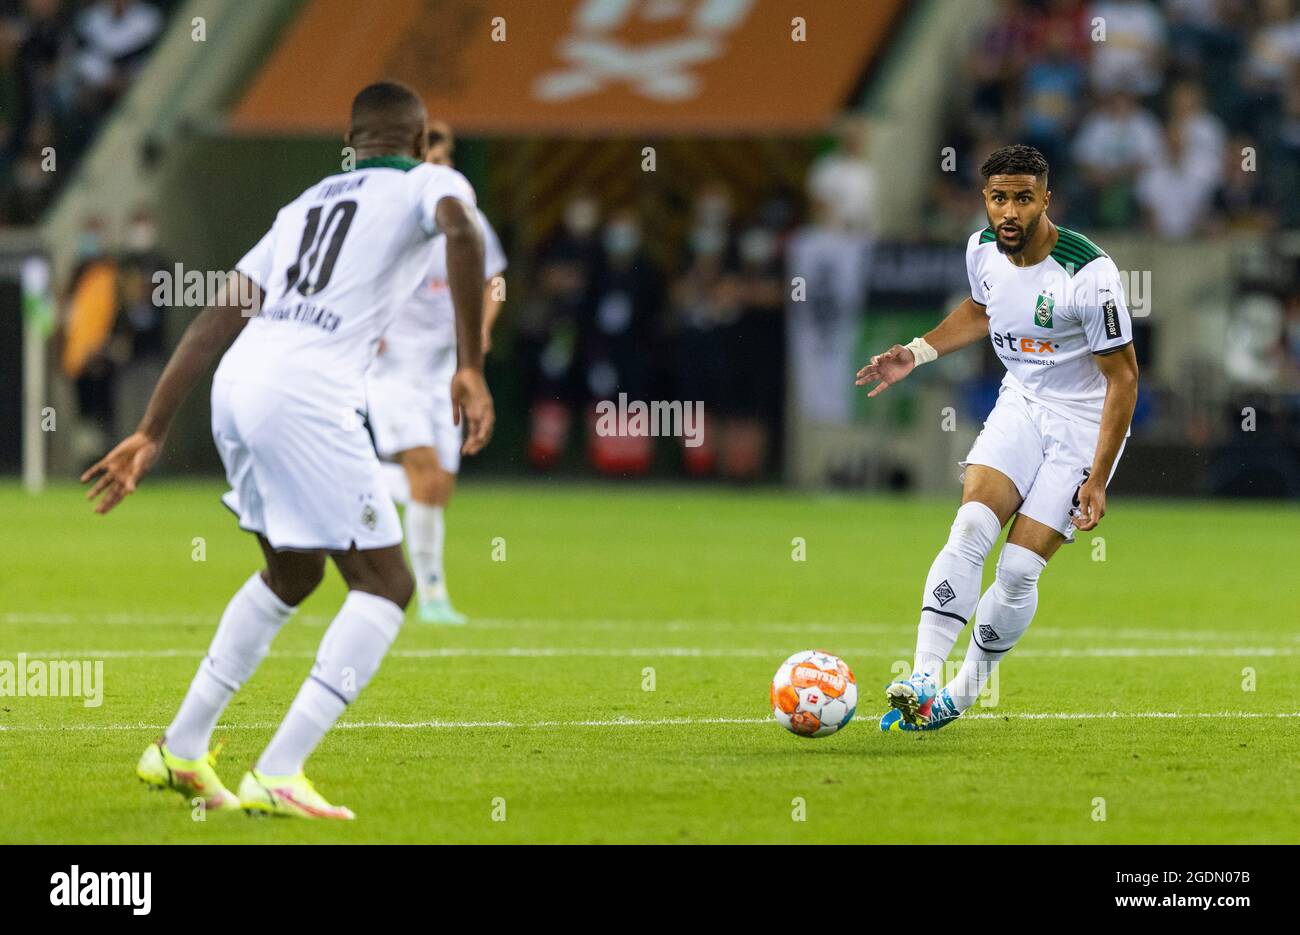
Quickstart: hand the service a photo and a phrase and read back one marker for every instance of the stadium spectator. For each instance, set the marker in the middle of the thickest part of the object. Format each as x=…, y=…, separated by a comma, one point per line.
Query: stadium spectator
x=1130, y=57
x=547, y=330
x=141, y=319
x=1176, y=193
x=1284, y=150
x=997, y=58
x=84, y=337
x=756, y=352
x=1243, y=200
x=63, y=65
x=1114, y=145
x=706, y=302
x=44, y=40
x=1054, y=82
x=113, y=37
x=1204, y=132
x=617, y=334
x=845, y=181
x=1274, y=48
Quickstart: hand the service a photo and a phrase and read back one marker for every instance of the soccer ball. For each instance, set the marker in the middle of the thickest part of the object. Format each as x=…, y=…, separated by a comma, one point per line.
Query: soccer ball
x=814, y=694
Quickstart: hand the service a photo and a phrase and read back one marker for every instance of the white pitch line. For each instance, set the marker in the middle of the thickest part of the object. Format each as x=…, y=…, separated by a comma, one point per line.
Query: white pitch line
x=689, y=652
x=672, y=721
x=670, y=625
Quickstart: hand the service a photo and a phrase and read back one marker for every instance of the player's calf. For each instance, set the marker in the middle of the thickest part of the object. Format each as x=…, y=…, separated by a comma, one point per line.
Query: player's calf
x=952, y=587
x=349, y=656
x=1005, y=612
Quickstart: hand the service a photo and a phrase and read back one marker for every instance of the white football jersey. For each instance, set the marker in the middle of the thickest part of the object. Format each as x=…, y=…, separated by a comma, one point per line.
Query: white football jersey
x=335, y=266
x=426, y=322
x=1047, y=321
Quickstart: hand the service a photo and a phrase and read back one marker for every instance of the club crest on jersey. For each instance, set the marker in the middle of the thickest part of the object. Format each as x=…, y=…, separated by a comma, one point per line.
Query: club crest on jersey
x=1043, y=310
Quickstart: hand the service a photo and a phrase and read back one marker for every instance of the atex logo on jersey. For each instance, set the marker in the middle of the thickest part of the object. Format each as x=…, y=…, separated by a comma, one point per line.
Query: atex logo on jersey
x=1007, y=341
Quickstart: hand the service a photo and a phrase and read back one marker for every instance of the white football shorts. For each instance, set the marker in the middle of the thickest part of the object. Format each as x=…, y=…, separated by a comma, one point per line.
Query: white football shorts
x=407, y=410
x=302, y=475
x=1047, y=457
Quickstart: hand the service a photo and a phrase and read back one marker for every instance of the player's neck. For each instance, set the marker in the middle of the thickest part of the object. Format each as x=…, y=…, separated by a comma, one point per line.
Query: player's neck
x=1036, y=251
x=380, y=152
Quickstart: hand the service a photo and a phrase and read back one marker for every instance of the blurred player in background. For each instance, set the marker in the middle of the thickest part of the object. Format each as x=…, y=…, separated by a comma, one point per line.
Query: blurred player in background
x=306, y=308
x=1053, y=305
x=410, y=408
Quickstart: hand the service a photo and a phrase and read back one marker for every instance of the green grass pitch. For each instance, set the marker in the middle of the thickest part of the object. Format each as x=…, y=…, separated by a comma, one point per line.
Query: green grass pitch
x=538, y=712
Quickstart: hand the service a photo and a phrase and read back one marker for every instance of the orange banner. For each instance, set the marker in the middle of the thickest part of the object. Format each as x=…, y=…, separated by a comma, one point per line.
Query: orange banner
x=589, y=67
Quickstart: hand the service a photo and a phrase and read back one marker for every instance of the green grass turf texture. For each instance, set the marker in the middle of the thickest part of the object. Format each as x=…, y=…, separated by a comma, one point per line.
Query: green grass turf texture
x=600, y=583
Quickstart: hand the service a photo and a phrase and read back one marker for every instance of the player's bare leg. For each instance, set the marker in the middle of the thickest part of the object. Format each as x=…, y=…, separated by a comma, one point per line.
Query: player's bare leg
x=379, y=588
x=180, y=759
x=430, y=488
x=952, y=589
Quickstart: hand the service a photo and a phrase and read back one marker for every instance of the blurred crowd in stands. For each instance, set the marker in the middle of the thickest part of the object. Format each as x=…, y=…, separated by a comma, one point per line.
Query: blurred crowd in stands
x=1180, y=118
x=603, y=318
x=63, y=64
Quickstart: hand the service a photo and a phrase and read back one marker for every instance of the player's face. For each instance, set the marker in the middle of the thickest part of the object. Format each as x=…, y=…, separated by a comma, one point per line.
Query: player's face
x=1015, y=204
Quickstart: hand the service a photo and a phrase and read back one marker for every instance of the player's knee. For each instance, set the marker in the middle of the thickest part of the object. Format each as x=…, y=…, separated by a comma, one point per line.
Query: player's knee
x=294, y=585
x=397, y=585
x=1018, y=572
x=973, y=532
x=432, y=488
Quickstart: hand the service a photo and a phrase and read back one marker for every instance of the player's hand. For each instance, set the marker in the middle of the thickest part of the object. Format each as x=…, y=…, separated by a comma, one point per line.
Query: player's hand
x=117, y=473
x=888, y=368
x=1092, y=505
x=470, y=396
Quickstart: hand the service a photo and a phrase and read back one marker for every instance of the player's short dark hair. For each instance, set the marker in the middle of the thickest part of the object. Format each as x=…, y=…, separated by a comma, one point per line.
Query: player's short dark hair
x=1015, y=160
x=384, y=97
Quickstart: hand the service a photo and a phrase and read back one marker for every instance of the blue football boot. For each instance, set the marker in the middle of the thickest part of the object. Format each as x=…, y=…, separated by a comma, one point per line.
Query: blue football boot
x=934, y=714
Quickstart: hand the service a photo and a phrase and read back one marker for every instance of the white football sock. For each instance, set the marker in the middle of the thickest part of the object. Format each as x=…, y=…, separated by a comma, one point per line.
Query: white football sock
x=349, y=656
x=1005, y=612
x=425, y=532
x=251, y=620
x=952, y=588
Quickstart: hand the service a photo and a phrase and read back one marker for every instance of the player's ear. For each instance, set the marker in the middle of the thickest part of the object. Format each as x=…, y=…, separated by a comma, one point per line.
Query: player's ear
x=421, y=143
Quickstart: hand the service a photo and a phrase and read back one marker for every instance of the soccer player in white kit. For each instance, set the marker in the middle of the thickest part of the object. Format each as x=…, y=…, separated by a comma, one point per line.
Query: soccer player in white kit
x=306, y=308
x=410, y=410
x=1053, y=306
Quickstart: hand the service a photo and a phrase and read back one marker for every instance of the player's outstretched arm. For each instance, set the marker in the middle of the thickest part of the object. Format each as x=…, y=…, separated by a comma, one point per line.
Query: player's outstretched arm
x=1121, y=372
x=118, y=472
x=965, y=324
x=469, y=390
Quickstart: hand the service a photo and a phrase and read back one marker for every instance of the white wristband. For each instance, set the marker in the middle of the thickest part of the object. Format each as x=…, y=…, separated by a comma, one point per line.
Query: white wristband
x=921, y=351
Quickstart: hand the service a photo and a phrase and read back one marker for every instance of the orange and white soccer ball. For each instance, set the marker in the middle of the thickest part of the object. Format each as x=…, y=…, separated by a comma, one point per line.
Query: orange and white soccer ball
x=814, y=694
